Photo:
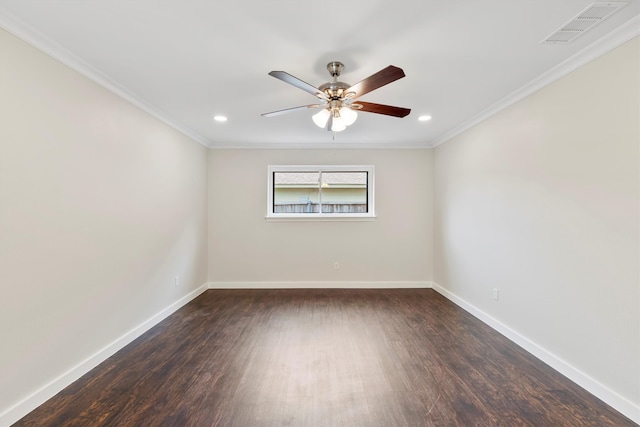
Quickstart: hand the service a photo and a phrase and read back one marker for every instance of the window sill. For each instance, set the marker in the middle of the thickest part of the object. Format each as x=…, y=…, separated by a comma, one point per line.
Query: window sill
x=319, y=218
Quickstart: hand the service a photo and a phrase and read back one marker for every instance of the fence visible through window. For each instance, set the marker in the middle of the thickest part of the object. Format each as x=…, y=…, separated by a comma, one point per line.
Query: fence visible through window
x=327, y=192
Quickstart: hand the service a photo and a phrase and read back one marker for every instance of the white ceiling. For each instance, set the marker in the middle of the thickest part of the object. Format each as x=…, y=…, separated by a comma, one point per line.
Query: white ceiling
x=186, y=60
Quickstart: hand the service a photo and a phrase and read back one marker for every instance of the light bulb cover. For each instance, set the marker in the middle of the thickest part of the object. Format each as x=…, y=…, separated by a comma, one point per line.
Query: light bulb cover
x=321, y=117
x=348, y=115
x=338, y=124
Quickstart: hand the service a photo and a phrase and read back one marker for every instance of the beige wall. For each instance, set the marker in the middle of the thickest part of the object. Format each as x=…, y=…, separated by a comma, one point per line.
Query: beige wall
x=542, y=202
x=244, y=247
x=101, y=206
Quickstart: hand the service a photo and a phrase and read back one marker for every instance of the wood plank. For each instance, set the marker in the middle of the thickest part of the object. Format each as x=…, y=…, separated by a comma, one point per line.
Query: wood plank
x=323, y=357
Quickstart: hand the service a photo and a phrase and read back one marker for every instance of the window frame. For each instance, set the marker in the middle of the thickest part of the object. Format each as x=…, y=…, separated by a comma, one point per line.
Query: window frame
x=340, y=216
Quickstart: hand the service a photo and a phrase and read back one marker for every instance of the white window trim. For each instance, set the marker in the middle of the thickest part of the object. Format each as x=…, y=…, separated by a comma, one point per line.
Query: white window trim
x=369, y=216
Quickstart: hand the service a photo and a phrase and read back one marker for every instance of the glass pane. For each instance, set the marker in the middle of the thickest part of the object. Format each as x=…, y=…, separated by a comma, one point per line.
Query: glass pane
x=296, y=192
x=344, y=192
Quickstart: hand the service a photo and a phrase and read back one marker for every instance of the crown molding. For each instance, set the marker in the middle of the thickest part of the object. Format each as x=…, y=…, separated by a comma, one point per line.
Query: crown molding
x=318, y=146
x=608, y=42
x=38, y=40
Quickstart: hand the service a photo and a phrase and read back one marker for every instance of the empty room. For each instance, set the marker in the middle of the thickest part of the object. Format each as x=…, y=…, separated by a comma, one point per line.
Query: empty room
x=364, y=213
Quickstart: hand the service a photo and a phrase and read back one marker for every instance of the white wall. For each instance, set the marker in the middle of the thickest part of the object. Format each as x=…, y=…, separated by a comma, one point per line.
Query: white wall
x=101, y=206
x=245, y=249
x=542, y=202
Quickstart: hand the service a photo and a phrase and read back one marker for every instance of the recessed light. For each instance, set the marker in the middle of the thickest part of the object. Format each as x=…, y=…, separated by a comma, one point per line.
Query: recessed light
x=220, y=118
x=424, y=118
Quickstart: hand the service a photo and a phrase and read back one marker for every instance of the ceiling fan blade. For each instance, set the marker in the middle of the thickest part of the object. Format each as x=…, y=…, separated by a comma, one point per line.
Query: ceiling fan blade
x=377, y=80
x=387, y=110
x=288, y=78
x=289, y=110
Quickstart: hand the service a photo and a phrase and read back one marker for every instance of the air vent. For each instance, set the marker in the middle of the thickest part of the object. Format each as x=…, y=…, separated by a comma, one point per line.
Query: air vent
x=584, y=21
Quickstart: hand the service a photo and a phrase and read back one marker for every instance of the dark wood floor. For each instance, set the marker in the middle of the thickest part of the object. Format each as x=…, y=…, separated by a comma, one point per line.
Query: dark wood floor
x=323, y=357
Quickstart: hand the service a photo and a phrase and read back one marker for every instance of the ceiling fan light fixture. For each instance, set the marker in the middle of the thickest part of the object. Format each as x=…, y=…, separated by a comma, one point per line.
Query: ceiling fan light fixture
x=348, y=115
x=321, y=118
x=338, y=125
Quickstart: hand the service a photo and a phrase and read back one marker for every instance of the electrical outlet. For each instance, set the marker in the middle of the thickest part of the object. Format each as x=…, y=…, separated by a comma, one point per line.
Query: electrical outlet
x=336, y=265
x=176, y=281
x=496, y=294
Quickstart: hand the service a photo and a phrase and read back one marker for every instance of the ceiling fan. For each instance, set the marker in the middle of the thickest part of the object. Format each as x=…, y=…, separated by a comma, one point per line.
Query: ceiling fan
x=338, y=100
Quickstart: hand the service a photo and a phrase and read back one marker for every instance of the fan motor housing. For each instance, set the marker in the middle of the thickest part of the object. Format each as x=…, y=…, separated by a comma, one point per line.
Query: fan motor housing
x=335, y=90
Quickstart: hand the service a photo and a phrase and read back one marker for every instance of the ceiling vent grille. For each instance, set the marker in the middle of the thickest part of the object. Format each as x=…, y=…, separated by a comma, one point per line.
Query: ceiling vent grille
x=584, y=21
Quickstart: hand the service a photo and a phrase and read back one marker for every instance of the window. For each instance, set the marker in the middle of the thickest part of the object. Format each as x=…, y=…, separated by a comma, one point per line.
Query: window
x=320, y=192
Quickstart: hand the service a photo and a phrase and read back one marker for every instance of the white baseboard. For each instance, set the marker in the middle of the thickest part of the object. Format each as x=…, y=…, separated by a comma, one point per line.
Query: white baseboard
x=37, y=398
x=621, y=404
x=320, y=285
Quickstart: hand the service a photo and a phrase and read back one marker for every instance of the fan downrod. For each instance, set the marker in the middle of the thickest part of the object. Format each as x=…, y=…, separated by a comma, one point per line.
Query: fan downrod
x=334, y=89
